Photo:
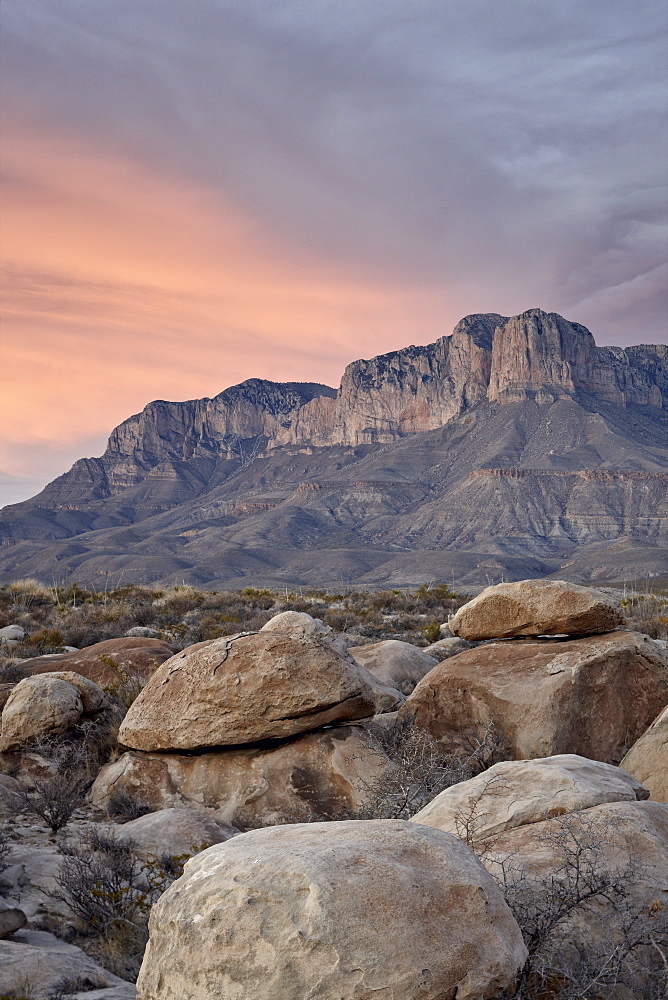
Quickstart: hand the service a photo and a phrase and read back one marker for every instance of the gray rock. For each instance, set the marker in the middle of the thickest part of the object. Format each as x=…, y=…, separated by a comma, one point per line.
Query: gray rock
x=11, y=918
x=15, y=632
x=44, y=960
x=445, y=648
x=142, y=632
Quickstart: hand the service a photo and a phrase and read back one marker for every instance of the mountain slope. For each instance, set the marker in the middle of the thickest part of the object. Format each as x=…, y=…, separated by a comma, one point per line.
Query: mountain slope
x=515, y=447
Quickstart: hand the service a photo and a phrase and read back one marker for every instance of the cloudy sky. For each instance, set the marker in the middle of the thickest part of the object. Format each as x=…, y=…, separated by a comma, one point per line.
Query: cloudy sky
x=195, y=193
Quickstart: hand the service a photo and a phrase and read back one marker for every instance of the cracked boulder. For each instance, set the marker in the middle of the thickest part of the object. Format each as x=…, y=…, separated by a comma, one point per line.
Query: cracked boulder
x=591, y=696
x=245, y=688
x=382, y=908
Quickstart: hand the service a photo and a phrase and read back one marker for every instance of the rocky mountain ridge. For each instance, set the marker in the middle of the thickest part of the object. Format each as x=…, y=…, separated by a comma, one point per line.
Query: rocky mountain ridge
x=513, y=444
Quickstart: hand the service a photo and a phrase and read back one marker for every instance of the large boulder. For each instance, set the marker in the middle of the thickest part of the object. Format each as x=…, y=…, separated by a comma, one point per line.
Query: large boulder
x=588, y=696
x=517, y=792
x=108, y=663
x=399, y=664
x=46, y=705
x=243, y=688
x=173, y=832
x=613, y=858
x=535, y=607
x=647, y=760
x=447, y=647
x=386, y=696
x=324, y=775
x=333, y=910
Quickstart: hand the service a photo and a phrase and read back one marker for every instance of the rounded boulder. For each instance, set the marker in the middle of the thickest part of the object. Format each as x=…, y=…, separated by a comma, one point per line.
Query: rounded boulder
x=244, y=688
x=353, y=910
x=535, y=607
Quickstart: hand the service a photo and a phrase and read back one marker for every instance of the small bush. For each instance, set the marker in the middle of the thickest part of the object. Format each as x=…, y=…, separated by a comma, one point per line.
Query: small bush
x=13, y=673
x=57, y=796
x=111, y=891
x=123, y=807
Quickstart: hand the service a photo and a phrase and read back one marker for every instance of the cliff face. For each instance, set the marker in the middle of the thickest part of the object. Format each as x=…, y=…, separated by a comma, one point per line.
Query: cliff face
x=536, y=356
x=536, y=417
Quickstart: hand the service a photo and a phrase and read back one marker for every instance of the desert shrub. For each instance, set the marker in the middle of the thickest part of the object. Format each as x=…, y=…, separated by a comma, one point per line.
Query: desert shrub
x=420, y=768
x=13, y=673
x=55, y=796
x=46, y=640
x=67, y=985
x=5, y=848
x=587, y=886
x=111, y=891
x=123, y=807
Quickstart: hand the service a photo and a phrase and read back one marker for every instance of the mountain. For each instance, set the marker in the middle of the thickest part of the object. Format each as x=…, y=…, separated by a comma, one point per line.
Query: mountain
x=514, y=447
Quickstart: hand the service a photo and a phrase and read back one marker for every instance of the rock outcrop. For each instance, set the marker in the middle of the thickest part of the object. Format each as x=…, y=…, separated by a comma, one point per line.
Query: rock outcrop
x=107, y=662
x=243, y=688
x=588, y=696
x=275, y=917
x=535, y=607
x=175, y=833
x=399, y=664
x=324, y=775
x=520, y=792
x=12, y=918
x=647, y=760
x=477, y=454
x=46, y=705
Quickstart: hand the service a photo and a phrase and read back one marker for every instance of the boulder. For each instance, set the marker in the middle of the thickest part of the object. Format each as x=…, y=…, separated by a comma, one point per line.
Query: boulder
x=174, y=832
x=31, y=877
x=39, y=706
x=647, y=760
x=324, y=775
x=12, y=633
x=243, y=688
x=535, y=607
x=142, y=632
x=11, y=918
x=622, y=843
x=386, y=696
x=108, y=663
x=91, y=694
x=399, y=664
x=44, y=961
x=333, y=910
x=517, y=792
x=587, y=696
x=445, y=648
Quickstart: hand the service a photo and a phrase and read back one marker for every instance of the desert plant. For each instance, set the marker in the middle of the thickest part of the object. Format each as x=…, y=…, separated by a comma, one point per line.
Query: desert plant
x=589, y=884
x=123, y=807
x=110, y=891
x=13, y=673
x=55, y=796
x=419, y=767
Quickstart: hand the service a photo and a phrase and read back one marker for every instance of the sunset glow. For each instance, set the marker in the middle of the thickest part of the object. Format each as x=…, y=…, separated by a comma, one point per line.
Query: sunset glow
x=196, y=196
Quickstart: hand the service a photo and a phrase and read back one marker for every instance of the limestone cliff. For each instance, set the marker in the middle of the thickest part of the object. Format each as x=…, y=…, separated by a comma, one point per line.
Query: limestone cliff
x=513, y=439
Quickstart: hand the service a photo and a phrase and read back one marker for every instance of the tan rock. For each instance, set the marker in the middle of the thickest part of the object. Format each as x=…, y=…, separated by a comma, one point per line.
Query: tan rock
x=535, y=607
x=588, y=696
x=333, y=910
x=399, y=664
x=39, y=706
x=626, y=842
x=173, y=832
x=647, y=760
x=447, y=647
x=324, y=775
x=517, y=792
x=386, y=696
x=109, y=661
x=91, y=694
x=243, y=688
x=43, y=961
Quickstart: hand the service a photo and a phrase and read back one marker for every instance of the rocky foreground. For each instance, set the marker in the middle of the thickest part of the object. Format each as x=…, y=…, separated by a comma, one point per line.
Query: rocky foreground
x=304, y=818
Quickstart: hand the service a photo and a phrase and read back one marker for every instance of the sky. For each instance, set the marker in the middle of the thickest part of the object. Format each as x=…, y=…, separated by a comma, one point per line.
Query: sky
x=195, y=193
